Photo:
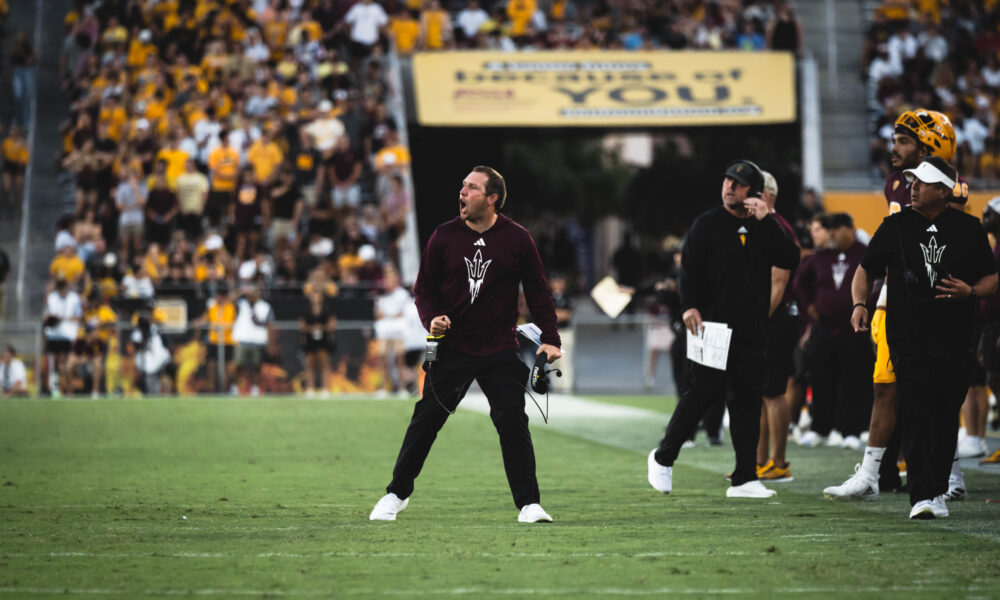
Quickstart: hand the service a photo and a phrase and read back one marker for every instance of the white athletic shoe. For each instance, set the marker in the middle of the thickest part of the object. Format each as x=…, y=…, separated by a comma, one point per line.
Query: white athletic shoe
x=660, y=477
x=810, y=439
x=689, y=444
x=939, y=508
x=923, y=509
x=388, y=507
x=835, y=439
x=852, y=441
x=969, y=447
x=750, y=489
x=860, y=486
x=533, y=513
x=956, y=489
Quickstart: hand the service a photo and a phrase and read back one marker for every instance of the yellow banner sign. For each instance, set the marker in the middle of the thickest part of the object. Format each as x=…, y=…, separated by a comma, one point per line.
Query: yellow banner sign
x=600, y=89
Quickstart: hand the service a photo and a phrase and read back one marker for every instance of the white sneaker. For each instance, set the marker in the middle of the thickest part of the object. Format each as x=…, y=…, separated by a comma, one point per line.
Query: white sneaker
x=835, y=439
x=810, y=439
x=750, y=489
x=939, y=508
x=533, y=513
x=310, y=393
x=689, y=444
x=860, y=486
x=805, y=419
x=969, y=447
x=388, y=507
x=984, y=446
x=660, y=477
x=956, y=489
x=852, y=441
x=863, y=437
x=923, y=509
x=254, y=390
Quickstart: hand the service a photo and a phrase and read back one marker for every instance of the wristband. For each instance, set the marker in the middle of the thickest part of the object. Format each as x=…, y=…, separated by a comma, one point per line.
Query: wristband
x=972, y=293
x=861, y=304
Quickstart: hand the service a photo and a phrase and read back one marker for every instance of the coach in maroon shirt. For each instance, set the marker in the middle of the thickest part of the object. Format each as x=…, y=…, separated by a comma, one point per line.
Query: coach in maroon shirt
x=467, y=291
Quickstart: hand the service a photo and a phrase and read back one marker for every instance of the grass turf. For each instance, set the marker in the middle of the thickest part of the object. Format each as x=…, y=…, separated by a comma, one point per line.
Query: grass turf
x=276, y=495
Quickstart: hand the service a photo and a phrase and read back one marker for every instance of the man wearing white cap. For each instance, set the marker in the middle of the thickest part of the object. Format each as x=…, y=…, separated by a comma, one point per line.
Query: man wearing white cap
x=939, y=264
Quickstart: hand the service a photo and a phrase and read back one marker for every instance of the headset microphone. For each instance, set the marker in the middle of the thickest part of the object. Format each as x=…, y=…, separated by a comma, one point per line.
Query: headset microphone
x=540, y=375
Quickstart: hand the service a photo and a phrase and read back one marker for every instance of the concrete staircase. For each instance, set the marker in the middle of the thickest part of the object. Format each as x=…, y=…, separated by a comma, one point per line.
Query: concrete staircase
x=50, y=195
x=833, y=32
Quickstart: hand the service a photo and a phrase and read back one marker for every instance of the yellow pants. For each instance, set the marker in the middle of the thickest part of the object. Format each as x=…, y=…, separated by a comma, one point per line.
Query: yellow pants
x=884, y=373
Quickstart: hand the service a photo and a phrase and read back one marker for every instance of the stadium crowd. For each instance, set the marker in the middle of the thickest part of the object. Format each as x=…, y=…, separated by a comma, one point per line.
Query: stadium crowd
x=238, y=145
x=225, y=146
x=941, y=56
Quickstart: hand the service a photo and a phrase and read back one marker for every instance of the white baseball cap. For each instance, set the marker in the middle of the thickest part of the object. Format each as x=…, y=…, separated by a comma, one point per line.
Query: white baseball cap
x=932, y=170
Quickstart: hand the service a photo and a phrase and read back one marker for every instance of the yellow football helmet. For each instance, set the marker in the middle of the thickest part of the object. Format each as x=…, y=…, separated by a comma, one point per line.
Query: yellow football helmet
x=932, y=129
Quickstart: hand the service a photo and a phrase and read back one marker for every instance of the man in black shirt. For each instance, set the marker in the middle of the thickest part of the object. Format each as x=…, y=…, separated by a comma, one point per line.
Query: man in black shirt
x=726, y=277
x=939, y=263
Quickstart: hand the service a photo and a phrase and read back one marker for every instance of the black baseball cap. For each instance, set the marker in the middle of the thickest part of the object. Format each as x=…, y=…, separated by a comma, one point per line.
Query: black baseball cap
x=746, y=173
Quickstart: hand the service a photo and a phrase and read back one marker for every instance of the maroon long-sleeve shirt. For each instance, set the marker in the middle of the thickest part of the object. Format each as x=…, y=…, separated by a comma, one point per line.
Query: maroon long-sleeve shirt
x=473, y=278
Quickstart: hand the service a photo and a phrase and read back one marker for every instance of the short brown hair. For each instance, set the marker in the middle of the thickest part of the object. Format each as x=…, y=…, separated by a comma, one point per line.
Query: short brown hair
x=494, y=184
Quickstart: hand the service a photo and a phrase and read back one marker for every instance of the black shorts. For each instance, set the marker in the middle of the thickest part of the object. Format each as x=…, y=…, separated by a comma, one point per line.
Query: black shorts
x=312, y=345
x=58, y=346
x=782, y=335
x=212, y=353
x=12, y=168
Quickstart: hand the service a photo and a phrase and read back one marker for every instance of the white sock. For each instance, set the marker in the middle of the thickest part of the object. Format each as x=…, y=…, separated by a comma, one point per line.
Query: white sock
x=956, y=466
x=872, y=460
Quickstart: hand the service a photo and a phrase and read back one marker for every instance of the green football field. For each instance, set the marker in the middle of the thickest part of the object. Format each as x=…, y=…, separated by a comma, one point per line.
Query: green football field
x=270, y=498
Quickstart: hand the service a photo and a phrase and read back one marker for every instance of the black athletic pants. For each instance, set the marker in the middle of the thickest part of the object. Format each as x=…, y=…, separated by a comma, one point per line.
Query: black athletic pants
x=500, y=376
x=841, y=382
x=931, y=394
x=705, y=387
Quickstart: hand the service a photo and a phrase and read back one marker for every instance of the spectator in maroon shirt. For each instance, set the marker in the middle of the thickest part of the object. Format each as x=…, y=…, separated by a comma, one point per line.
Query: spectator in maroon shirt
x=466, y=294
x=345, y=169
x=161, y=208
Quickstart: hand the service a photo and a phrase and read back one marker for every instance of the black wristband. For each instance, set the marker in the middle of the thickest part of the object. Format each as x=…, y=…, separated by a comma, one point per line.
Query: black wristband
x=972, y=293
x=861, y=304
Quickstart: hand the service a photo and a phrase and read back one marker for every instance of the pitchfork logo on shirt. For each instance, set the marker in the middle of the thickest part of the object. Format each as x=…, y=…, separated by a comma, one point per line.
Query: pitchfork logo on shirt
x=932, y=257
x=477, y=272
x=840, y=270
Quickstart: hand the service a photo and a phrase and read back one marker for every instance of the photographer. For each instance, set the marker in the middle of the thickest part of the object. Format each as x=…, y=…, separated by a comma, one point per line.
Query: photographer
x=151, y=355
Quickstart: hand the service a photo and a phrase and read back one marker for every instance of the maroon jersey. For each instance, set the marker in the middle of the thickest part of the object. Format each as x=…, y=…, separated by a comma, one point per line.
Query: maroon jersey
x=788, y=296
x=897, y=192
x=473, y=278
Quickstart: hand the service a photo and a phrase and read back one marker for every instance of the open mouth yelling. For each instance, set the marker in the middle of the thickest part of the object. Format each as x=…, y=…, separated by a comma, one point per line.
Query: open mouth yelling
x=463, y=206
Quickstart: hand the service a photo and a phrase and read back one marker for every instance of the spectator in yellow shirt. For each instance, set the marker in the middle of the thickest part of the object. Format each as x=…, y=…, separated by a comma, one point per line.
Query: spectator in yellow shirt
x=435, y=27
x=220, y=314
x=520, y=13
x=15, y=160
x=405, y=31
x=223, y=170
x=67, y=266
x=175, y=159
x=265, y=156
